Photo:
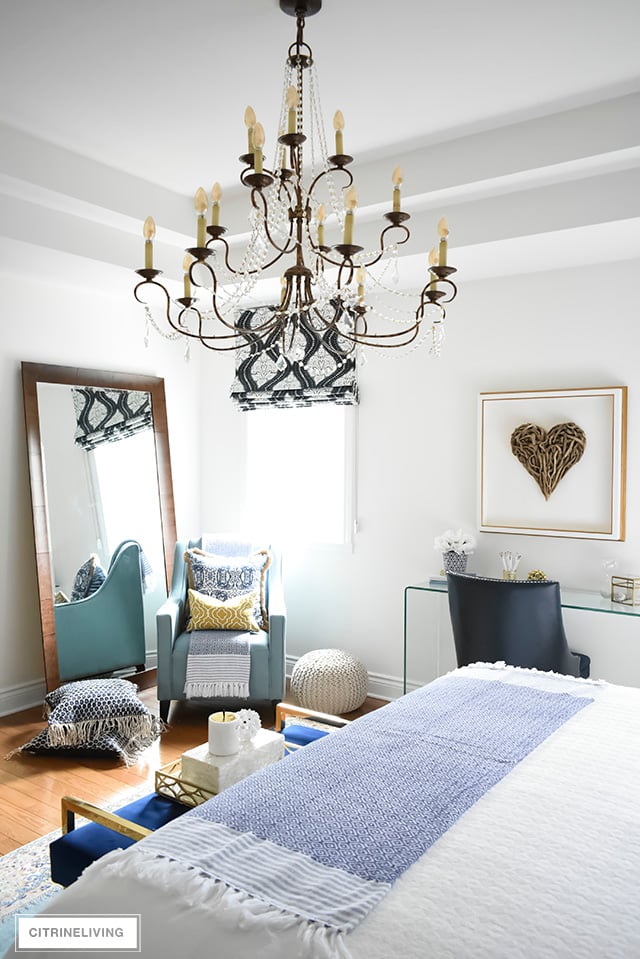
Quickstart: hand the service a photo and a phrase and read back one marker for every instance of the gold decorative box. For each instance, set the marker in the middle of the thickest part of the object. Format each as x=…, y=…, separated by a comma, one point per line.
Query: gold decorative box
x=625, y=589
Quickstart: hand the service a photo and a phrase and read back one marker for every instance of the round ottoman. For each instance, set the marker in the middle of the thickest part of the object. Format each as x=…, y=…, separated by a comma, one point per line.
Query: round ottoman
x=330, y=681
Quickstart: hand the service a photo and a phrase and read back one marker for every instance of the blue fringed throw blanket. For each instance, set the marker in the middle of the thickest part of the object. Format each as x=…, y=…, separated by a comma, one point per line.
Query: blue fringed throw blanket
x=323, y=834
x=218, y=664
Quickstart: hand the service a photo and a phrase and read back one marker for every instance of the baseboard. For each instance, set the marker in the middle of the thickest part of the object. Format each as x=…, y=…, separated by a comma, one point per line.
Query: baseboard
x=24, y=696
x=380, y=686
x=14, y=699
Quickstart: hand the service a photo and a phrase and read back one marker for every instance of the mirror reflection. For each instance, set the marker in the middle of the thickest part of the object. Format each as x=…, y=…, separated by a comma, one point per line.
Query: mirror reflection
x=102, y=488
x=103, y=575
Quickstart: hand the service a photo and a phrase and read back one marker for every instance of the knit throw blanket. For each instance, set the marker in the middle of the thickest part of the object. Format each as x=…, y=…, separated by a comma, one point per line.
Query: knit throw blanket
x=323, y=834
x=218, y=664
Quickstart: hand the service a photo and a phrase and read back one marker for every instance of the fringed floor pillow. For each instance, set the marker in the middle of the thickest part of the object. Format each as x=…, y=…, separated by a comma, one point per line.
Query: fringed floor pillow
x=96, y=717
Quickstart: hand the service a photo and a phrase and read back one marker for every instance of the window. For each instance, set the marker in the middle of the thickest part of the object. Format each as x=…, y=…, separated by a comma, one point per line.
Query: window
x=123, y=474
x=301, y=474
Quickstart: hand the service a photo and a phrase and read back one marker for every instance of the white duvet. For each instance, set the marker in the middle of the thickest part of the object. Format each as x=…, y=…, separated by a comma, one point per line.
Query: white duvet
x=545, y=866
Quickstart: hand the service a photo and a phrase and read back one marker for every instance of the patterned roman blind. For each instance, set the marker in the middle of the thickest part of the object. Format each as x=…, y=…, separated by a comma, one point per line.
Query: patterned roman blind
x=104, y=416
x=316, y=367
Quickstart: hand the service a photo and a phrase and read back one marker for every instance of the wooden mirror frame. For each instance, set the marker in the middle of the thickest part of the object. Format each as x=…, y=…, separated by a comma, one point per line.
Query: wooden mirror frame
x=32, y=375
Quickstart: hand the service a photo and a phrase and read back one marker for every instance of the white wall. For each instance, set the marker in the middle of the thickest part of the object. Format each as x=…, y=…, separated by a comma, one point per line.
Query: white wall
x=99, y=326
x=417, y=455
x=416, y=451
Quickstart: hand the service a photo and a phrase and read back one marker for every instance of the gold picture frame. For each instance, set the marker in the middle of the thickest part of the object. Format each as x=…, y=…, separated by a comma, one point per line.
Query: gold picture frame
x=589, y=500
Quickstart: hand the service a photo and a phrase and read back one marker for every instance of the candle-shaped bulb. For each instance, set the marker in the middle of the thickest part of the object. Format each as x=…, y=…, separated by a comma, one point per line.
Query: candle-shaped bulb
x=200, y=200
x=320, y=215
x=200, y=203
x=216, y=194
x=443, y=233
x=258, y=143
x=292, y=101
x=351, y=199
x=249, y=122
x=186, y=263
x=361, y=274
x=350, y=203
x=148, y=232
x=338, y=126
x=283, y=288
x=396, y=179
x=149, y=228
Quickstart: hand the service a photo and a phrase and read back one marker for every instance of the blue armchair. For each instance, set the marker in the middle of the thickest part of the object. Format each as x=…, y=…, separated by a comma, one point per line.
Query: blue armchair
x=105, y=631
x=267, y=649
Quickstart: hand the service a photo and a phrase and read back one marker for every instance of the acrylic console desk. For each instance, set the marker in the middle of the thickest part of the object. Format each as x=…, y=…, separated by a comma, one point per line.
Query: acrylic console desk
x=428, y=642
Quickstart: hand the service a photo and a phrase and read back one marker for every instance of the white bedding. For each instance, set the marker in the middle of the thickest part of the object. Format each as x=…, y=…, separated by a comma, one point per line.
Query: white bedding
x=546, y=865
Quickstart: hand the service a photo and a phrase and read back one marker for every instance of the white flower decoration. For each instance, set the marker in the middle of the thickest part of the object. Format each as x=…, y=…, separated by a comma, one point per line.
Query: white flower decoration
x=250, y=724
x=455, y=541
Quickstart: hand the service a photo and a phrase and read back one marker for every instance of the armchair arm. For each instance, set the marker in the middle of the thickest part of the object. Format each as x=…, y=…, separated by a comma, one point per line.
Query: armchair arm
x=70, y=806
x=277, y=640
x=169, y=625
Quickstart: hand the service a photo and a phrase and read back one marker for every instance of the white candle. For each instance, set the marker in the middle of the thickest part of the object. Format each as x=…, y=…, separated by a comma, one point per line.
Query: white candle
x=338, y=126
x=443, y=233
x=223, y=734
x=148, y=231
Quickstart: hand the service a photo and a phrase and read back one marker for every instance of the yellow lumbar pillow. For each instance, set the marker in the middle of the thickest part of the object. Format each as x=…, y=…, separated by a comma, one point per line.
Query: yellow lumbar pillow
x=207, y=612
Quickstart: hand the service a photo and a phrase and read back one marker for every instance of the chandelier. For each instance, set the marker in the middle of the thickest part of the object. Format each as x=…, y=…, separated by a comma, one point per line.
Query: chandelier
x=340, y=289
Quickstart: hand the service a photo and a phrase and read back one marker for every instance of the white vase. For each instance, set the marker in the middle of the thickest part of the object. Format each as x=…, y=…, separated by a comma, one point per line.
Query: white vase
x=223, y=734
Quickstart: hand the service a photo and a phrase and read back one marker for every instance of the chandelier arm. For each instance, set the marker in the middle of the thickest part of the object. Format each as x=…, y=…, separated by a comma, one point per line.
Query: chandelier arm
x=395, y=226
x=372, y=339
x=291, y=243
x=186, y=305
x=365, y=338
x=326, y=172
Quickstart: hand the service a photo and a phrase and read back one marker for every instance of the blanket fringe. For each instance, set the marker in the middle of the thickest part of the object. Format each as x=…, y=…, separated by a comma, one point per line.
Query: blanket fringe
x=232, y=908
x=501, y=665
x=213, y=690
x=141, y=731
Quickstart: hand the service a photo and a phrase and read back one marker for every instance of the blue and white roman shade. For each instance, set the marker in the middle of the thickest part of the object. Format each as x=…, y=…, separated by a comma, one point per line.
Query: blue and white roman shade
x=105, y=416
x=316, y=368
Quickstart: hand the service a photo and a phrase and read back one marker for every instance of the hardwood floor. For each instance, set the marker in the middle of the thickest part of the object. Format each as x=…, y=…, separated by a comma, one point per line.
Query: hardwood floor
x=31, y=786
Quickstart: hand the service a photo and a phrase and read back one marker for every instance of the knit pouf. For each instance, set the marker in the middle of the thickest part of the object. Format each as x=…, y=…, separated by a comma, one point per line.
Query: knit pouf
x=330, y=681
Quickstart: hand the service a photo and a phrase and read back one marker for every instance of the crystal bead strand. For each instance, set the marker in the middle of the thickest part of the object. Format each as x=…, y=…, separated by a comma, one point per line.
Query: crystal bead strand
x=150, y=322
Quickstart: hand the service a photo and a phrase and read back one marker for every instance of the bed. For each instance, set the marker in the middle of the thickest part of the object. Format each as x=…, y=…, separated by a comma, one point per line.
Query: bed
x=530, y=849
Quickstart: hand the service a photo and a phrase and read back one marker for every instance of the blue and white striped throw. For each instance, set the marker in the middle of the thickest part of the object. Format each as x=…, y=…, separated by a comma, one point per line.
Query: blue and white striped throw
x=324, y=834
x=218, y=664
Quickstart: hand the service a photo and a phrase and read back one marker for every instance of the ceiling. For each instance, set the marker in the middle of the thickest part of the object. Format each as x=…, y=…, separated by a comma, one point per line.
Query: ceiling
x=517, y=120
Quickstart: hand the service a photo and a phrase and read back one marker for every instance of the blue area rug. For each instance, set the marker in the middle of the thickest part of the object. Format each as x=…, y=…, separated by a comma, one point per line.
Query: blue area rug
x=25, y=883
x=25, y=886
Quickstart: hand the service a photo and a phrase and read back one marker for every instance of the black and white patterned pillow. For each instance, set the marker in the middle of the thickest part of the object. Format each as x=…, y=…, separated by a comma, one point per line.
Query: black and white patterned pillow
x=96, y=717
x=227, y=577
x=89, y=579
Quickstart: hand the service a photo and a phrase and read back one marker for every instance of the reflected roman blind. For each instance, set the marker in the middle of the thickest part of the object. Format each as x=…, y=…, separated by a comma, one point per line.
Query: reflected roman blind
x=105, y=416
x=316, y=367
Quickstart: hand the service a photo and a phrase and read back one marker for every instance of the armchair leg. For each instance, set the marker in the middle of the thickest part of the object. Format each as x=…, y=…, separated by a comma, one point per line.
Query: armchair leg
x=164, y=709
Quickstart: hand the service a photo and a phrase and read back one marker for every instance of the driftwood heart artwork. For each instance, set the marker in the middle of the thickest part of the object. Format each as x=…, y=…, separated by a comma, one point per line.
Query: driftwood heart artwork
x=548, y=455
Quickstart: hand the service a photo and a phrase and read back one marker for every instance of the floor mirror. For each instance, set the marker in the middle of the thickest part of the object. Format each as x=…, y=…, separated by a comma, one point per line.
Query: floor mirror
x=100, y=475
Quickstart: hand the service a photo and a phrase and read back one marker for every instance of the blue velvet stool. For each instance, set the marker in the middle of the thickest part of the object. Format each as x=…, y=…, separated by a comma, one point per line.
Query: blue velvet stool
x=296, y=734
x=78, y=848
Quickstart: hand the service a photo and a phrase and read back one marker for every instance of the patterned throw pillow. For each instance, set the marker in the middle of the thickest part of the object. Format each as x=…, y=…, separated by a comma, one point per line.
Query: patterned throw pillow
x=207, y=612
x=226, y=577
x=96, y=717
x=89, y=579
